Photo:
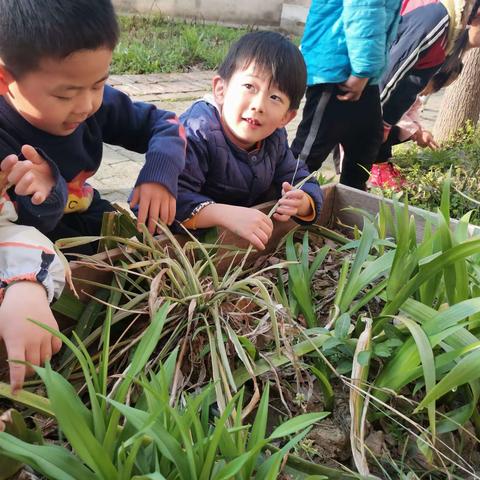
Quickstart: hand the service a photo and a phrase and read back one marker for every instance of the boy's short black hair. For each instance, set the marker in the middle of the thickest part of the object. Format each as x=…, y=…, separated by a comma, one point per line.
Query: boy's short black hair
x=274, y=53
x=31, y=30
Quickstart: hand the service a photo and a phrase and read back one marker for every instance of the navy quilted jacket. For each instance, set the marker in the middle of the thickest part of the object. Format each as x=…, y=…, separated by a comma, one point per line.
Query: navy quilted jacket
x=218, y=171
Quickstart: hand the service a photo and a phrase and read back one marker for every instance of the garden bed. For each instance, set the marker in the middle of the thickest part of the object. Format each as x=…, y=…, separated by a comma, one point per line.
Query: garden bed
x=373, y=303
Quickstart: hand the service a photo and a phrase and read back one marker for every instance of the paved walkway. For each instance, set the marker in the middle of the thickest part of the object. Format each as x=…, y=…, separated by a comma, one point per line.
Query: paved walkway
x=175, y=92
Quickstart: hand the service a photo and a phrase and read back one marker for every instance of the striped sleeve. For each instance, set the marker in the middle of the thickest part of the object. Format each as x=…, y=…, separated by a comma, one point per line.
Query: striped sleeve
x=418, y=32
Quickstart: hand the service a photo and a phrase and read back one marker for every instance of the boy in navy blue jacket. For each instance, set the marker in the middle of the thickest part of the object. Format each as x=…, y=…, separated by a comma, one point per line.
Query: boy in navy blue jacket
x=56, y=112
x=237, y=145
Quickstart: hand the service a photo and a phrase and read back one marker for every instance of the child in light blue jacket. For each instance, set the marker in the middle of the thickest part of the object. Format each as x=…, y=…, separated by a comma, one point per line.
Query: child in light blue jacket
x=345, y=46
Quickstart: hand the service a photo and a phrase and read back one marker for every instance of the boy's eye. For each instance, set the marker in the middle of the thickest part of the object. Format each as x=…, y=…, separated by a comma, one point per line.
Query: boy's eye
x=98, y=86
x=248, y=86
x=60, y=97
x=276, y=98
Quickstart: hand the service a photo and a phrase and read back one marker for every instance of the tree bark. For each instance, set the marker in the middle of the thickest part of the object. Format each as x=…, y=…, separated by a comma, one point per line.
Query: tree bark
x=461, y=101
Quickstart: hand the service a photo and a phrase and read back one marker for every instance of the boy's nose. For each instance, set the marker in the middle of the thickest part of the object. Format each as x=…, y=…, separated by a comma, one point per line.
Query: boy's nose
x=258, y=103
x=84, y=105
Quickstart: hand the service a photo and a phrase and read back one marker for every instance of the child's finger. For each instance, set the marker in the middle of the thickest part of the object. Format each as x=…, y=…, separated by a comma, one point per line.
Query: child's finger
x=32, y=355
x=31, y=154
x=135, y=198
x=281, y=218
x=56, y=344
x=173, y=210
x=170, y=211
x=287, y=207
x=289, y=202
x=19, y=170
x=287, y=211
x=261, y=235
x=38, y=198
x=142, y=213
x=347, y=97
x=17, y=370
x=153, y=214
x=45, y=351
x=8, y=163
x=256, y=242
x=24, y=184
x=164, y=210
x=294, y=193
x=267, y=225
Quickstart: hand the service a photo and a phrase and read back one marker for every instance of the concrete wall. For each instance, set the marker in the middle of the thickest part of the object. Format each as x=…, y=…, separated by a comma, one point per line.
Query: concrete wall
x=274, y=13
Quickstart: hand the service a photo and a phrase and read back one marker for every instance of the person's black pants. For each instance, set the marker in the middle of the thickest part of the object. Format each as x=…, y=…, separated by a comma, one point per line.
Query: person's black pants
x=327, y=121
x=82, y=224
x=385, y=153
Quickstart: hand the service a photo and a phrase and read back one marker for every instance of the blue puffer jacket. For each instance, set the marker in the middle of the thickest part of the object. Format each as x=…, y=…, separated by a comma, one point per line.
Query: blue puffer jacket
x=348, y=37
x=218, y=171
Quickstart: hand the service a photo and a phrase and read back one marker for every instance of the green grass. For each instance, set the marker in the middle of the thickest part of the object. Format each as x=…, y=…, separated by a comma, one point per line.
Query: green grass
x=154, y=44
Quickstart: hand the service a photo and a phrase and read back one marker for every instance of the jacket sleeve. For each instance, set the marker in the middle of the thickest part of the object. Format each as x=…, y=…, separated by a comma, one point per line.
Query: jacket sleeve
x=364, y=23
x=144, y=128
x=27, y=255
x=192, y=180
x=400, y=84
x=404, y=95
x=410, y=124
x=294, y=171
x=45, y=216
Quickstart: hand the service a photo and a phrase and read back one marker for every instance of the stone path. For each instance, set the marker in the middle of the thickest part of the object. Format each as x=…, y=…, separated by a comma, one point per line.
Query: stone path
x=176, y=92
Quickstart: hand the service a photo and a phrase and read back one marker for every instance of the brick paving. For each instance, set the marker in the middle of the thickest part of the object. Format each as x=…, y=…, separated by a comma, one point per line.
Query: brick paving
x=175, y=92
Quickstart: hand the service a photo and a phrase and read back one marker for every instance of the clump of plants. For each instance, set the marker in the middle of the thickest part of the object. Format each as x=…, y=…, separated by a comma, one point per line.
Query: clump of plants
x=199, y=352
x=426, y=171
x=133, y=429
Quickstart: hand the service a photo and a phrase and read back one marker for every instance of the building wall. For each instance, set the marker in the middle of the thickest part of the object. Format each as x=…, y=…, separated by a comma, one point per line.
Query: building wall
x=275, y=13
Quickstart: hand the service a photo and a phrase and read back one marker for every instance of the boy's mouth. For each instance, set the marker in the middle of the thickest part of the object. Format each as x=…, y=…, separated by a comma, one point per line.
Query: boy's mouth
x=71, y=125
x=252, y=121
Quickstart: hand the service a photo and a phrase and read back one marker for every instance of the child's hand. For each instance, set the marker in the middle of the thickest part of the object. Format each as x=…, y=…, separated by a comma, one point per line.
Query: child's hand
x=352, y=87
x=154, y=202
x=23, y=339
x=423, y=138
x=32, y=176
x=250, y=224
x=293, y=203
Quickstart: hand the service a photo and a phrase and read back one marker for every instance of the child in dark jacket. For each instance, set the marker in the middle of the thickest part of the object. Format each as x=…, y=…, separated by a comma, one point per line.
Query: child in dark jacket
x=237, y=145
x=429, y=31
x=56, y=112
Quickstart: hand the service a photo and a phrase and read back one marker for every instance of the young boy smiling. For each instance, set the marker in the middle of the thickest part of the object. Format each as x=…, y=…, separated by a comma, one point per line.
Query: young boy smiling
x=237, y=144
x=55, y=114
x=57, y=111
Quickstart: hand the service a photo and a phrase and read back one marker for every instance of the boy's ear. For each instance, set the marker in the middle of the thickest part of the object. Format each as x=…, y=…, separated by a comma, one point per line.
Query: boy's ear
x=288, y=117
x=5, y=80
x=218, y=88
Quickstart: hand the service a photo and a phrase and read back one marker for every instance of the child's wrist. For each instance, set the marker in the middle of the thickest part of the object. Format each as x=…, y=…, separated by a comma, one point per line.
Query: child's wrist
x=305, y=208
x=20, y=287
x=218, y=214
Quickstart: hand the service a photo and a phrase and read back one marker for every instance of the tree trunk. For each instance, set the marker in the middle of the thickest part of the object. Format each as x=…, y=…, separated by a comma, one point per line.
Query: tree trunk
x=461, y=101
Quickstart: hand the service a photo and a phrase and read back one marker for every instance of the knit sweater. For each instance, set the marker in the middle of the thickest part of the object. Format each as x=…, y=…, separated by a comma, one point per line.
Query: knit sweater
x=136, y=126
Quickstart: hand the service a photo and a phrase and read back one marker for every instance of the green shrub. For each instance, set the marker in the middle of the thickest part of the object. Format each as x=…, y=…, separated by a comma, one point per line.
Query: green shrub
x=426, y=170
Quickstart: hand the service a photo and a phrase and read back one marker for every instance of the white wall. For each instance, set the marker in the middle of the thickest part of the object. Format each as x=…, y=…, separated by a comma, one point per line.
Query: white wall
x=289, y=15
